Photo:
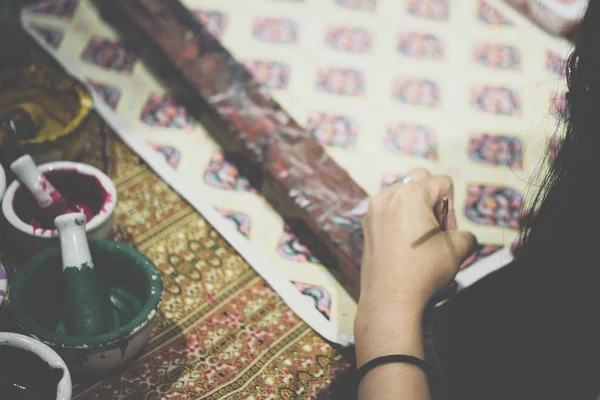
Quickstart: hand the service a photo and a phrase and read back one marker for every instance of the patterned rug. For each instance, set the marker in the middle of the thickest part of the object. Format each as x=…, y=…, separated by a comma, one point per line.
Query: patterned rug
x=222, y=331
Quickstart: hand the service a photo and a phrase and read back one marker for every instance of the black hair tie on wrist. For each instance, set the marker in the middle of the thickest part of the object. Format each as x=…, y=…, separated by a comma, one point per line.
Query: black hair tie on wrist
x=393, y=358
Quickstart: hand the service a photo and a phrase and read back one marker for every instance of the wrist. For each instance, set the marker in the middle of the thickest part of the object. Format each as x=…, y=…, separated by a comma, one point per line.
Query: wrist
x=388, y=332
x=387, y=314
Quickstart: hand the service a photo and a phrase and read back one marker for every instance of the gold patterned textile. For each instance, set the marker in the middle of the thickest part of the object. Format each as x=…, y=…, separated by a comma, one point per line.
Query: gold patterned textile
x=222, y=332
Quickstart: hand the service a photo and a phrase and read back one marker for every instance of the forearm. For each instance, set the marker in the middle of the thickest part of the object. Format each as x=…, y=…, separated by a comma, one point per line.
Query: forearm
x=402, y=333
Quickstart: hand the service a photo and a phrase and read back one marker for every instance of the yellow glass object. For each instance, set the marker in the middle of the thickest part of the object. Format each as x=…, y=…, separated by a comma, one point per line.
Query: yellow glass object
x=58, y=107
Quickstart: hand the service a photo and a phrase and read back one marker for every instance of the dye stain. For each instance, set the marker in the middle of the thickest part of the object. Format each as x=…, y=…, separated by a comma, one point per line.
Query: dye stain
x=25, y=376
x=82, y=191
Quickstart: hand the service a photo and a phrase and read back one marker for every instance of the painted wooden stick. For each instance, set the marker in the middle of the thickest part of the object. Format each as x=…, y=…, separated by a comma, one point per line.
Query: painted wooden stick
x=85, y=314
x=48, y=198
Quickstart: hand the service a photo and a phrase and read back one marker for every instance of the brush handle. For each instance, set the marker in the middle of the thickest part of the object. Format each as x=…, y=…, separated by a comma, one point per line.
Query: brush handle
x=28, y=173
x=85, y=314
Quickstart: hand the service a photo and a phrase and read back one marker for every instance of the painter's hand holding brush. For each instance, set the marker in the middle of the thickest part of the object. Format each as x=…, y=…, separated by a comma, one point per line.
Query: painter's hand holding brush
x=408, y=257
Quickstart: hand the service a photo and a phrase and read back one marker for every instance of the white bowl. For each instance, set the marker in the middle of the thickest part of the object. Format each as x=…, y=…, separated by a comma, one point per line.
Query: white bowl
x=116, y=265
x=64, y=386
x=27, y=238
x=2, y=182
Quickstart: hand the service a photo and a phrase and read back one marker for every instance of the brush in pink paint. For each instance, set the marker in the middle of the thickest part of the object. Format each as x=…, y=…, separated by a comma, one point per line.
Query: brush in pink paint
x=51, y=202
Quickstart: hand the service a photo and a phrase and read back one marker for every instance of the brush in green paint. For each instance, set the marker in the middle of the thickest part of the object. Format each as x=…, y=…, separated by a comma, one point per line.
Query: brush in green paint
x=85, y=311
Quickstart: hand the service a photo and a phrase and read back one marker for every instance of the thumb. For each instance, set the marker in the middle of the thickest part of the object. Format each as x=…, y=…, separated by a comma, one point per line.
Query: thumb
x=464, y=244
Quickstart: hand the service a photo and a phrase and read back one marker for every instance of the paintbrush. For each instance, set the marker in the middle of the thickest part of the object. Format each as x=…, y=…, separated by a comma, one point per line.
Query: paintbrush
x=444, y=219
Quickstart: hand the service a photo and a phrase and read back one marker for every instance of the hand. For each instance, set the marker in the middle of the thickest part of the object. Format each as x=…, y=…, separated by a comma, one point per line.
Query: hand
x=407, y=256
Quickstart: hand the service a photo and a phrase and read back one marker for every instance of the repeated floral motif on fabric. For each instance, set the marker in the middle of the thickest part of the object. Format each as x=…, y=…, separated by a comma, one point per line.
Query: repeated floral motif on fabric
x=497, y=56
x=239, y=220
x=421, y=45
x=496, y=150
x=350, y=39
x=64, y=9
x=490, y=15
x=274, y=30
x=272, y=74
x=333, y=130
x=162, y=110
x=496, y=100
x=361, y=5
x=109, y=54
x=171, y=154
x=290, y=247
x=494, y=206
x=417, y=92
x=53, y=37
x=411, y=140
x=429, y=9
x=223, y=174
x=214, y=21
x=108, y=93
x=345, y=82
x=317, y=295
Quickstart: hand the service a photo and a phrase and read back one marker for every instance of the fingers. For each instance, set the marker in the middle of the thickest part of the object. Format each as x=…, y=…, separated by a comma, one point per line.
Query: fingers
x=452, y=224
x=437, y=188
x=444, y=184
x=419, y=174
x=464, y=244
x=424, y=189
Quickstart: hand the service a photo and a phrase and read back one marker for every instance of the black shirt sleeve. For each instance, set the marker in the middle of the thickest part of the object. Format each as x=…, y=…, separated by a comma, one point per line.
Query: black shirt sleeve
x=482, y=338
x=506, y=338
